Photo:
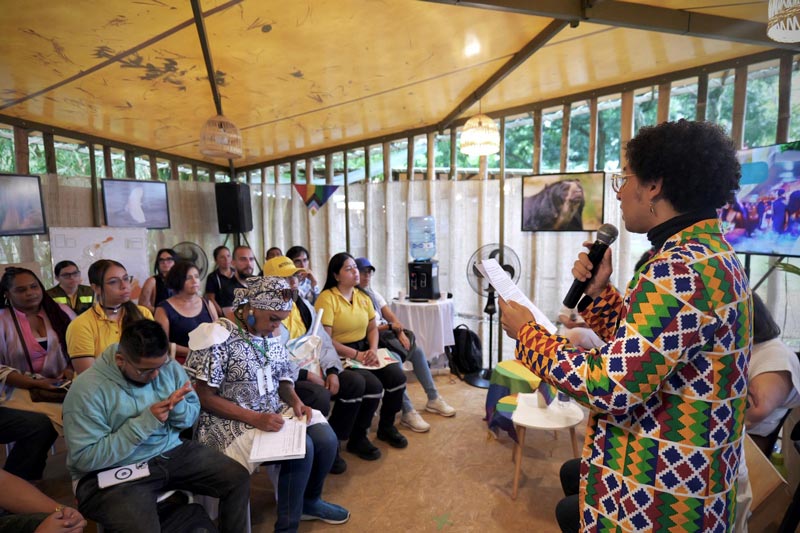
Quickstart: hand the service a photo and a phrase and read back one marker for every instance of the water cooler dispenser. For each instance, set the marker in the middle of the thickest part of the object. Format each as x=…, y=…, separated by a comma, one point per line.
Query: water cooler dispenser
x=423, y=271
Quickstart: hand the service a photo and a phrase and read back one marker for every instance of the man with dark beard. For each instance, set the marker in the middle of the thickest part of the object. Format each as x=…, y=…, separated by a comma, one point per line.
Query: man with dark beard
x=244, y=266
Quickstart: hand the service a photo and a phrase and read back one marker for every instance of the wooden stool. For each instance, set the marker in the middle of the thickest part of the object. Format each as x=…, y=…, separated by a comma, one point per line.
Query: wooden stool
x=556, y=416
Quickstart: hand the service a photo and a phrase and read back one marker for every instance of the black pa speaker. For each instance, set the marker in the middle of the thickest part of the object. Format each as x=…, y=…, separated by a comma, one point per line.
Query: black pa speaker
x=233, y=207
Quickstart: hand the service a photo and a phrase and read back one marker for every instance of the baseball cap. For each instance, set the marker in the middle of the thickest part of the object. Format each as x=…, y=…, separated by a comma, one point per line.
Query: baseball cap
x=363, y=263
x=282, y=267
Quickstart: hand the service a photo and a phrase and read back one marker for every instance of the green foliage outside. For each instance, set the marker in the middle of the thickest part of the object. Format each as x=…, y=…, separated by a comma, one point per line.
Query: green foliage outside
x=761, y=115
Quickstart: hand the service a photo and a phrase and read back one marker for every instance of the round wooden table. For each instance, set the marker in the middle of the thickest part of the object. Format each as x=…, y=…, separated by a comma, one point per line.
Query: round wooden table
x=559, y=415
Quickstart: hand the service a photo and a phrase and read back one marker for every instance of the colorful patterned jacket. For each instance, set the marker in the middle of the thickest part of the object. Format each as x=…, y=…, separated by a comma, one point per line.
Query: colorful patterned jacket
x=666, y=393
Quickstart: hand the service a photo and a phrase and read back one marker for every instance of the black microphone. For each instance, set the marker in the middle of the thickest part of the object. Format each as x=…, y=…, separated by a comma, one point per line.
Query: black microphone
x=606, y=234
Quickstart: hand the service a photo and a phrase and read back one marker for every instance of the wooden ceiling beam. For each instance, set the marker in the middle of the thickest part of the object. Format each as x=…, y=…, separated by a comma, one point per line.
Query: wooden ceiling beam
x=638, y=16
x=541, y=39
x=532, y=107
x=92, y=139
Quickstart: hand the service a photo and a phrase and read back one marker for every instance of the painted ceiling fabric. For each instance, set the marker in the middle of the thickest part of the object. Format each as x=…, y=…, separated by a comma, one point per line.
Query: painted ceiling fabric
x=307, y=75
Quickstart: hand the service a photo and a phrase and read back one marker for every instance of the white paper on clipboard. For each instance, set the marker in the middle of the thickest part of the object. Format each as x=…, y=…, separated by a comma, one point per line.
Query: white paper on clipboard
x=509, y=291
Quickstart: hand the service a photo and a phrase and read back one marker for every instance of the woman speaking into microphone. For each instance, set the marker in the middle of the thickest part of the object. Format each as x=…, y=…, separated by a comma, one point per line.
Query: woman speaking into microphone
x=667, y=391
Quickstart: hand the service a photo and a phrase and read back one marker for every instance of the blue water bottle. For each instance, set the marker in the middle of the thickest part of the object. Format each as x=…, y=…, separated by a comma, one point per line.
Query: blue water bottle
x=422, y=237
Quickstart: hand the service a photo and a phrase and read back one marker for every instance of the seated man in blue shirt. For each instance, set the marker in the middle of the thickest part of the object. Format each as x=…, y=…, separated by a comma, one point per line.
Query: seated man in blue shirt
x=129, y=408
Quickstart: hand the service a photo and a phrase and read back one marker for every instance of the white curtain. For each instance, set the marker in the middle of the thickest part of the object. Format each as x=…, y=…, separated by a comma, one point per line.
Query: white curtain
x=467, y=215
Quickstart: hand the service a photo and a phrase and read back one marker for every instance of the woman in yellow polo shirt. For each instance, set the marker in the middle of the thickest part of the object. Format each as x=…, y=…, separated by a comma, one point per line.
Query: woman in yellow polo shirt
x=94, y=330
x=349, y=318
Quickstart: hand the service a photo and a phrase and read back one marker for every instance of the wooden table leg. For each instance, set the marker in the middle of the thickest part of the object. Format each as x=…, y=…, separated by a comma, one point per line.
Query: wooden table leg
x=575, y=451
x=518, y=460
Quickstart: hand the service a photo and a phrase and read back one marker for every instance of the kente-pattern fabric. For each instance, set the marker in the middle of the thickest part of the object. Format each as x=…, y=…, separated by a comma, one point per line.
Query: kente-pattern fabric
x=666, y=393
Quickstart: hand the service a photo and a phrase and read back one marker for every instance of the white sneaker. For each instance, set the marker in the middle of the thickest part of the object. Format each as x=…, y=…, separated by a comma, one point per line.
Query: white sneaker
x=414, y=422
x=440, y=407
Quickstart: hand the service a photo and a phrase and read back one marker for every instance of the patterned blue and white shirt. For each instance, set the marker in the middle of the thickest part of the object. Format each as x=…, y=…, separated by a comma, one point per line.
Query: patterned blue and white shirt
x=232, y=367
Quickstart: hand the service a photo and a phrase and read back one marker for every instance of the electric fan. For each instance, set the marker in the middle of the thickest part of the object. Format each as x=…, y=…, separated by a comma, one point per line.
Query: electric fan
x=193, y=253
x=509, y=261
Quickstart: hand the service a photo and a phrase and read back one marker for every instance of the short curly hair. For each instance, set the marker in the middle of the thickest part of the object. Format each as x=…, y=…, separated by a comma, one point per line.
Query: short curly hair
x=696, y=160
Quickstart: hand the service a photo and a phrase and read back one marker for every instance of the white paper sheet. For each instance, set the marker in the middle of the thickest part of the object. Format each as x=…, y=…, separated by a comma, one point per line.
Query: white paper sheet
x=288, y=443
x=509, y=291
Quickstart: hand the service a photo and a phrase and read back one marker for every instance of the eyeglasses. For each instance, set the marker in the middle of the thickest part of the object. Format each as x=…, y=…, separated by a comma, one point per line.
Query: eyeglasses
x=148, y=371
x=114, y=282
x=619, y=180
x=166, y=260
x=70, y=275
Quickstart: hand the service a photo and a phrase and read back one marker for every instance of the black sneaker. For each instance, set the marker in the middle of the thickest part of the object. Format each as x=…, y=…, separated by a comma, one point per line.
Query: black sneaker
x=339, y=465
x=363, y=448
x=393, y=437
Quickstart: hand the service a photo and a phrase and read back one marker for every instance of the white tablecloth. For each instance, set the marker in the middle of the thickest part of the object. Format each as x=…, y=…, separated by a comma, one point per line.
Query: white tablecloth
x=431, y=322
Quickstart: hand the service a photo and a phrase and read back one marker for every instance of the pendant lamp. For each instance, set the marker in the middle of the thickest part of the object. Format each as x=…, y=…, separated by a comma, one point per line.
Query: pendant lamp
x=783, y=24
x=220, y=138
x=480, y=136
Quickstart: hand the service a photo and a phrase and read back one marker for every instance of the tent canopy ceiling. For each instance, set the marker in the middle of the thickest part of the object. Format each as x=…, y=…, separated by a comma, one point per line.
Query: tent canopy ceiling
x=303, y=76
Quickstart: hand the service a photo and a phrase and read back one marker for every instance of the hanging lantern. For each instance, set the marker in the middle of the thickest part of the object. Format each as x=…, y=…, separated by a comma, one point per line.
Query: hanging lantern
x=480, y=136
x=220, y=138
x=783, y=24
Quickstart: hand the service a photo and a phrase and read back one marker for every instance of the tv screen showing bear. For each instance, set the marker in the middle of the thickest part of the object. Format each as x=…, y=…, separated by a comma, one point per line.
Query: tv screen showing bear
x=563, y=202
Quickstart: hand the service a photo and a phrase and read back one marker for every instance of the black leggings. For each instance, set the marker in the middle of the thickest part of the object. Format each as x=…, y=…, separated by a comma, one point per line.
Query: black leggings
x=568, y=512
x=360, y=391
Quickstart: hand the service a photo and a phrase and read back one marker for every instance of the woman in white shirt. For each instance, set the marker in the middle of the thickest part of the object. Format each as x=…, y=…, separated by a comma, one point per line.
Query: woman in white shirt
x=774, y=378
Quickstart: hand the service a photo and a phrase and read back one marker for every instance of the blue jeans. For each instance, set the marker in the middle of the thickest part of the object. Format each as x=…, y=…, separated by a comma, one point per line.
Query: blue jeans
x=33, y=434
x=423, y=372
x=131, y=507
x=301, y=480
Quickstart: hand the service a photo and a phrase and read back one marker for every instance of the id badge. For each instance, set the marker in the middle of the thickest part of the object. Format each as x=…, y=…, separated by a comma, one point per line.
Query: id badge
x=262, y=387
x=270, y=381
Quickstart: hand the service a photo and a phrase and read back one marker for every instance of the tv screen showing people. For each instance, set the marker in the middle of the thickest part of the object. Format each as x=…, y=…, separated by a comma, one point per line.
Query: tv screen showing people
x=562, y=202
x=763, y=219
x=136, y=203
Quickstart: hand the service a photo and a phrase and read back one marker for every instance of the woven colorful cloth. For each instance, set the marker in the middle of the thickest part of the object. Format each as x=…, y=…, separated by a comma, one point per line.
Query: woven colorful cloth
x=509, y=378
x=667, y=392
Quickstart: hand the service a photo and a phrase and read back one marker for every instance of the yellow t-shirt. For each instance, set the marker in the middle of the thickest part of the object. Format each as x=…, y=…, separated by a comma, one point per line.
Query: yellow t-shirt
x=348, y=321
x=92, y=332
x=294, y=323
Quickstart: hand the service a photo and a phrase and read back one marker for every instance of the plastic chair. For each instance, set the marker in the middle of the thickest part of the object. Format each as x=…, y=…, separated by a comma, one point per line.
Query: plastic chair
x=161, y=497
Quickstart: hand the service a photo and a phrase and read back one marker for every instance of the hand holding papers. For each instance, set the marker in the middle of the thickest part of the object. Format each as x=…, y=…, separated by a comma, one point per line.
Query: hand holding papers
x=287, y=443
x=509, y=291
x=384, y=358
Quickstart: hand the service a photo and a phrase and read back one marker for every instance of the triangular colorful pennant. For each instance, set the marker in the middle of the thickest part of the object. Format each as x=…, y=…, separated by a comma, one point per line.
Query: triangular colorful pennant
x=315, y=196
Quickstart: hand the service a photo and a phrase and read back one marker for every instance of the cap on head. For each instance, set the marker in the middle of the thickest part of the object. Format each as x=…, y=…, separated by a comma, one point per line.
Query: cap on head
x=264, y=293
x=363, y=264
x=281, y=267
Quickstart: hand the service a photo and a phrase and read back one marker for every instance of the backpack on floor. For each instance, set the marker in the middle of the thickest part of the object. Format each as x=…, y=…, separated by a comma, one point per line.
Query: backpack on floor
x=466, y=355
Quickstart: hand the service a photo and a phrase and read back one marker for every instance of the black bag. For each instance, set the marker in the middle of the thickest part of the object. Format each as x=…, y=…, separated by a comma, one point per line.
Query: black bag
x=48, y=395
x=466, y=356
x=388, y=339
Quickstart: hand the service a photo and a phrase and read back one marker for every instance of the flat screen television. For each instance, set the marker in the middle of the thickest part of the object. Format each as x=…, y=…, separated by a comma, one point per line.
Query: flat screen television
x=765, y=218
x=136, y=204
x=21, y=205
x=563, y=202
